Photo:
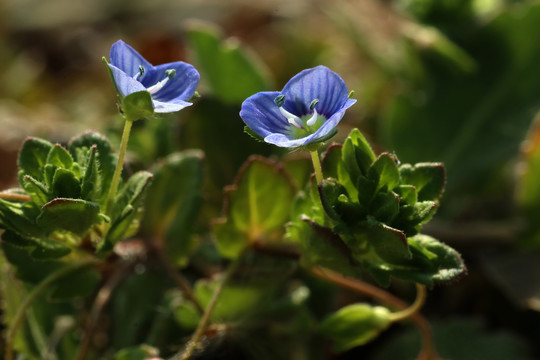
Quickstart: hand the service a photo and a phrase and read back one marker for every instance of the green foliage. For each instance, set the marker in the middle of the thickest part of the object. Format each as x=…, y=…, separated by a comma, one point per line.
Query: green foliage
x=374, y=209
x=137, y=105
x=256, y=208
x=230, y=71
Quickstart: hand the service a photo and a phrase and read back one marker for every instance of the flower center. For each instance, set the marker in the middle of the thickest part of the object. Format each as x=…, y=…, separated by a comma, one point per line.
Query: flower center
x=169, y=75
x=304, y=125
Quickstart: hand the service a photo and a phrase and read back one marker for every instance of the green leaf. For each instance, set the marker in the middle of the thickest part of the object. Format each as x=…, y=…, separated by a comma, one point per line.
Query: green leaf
x=65, y=184
x=74, y=215
x=59, y=157
x=137, y=106
x=127, y=209
x=407, y=194
x=231, y=72
x=331, y=160
x=259, y=202
x=355, y=325
x=20, y=218
x=33, y=156
x=389, y=243
x=38, y=191
x=384, y=172
x=429, y=179
x=357, y=155
x=385, y=206
x=173, y=201
x=80, y=283
x=230, y=242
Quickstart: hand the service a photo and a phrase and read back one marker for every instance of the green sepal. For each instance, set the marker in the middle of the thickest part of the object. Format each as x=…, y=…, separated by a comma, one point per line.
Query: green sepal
x=355, y=325
x=73, y=215
x=33, y=156
x=253, y=134
x=173, y=217
x=429, y=179
x=384, y=172
x=65, y=184
x=59, y=157
x=137, y=105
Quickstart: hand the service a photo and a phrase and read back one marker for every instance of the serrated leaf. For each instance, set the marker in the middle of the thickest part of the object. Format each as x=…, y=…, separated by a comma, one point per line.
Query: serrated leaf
x=173, y=201
x=384, y=172
x=389, y=243
x=355, y=325
x=429, y=179
x=65, y=184
x=33, y=156
x=231, y=73
x=59, y=157
x=74, y=215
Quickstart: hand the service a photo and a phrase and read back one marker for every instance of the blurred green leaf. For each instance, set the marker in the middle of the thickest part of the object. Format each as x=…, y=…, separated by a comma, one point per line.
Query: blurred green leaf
x=355, y=325
x=231, y=72
x=173, y=201
x=141, y=352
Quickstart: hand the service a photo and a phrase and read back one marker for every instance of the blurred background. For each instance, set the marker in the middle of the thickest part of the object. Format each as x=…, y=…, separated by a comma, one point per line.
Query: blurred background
x=452, y=81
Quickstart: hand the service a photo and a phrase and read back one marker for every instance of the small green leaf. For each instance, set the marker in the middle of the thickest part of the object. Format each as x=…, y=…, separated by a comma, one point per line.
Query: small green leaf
x=357, y=154
x=20, y=218
x=37, y=190
x=407, y=194
x=65, y=184
x=429, y=179
x=91, y=174
x=384, y=172
x=137, y=105
x=33, y=156
x=355, y=325
x=74, y=215
x=331, y=160
x=389, y=243
x=385, y=206
x=230, y=241
x=59, y=157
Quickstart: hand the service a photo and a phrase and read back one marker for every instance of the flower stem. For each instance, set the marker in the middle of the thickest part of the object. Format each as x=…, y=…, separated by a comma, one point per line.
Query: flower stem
x=415, y=306
x=38, y=290
x=428, y=348
x=316, y=165
x=203, y=324
x=119, y=165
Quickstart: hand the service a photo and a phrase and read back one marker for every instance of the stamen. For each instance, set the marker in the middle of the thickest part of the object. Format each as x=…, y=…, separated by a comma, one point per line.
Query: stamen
x=140, y=73
x=291, y=118
x=313, y=103
x=169, y=75
x=311, y=121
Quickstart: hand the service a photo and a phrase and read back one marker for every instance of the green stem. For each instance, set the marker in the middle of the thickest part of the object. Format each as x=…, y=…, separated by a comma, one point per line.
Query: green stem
x=119, y=165
x=36, y=291
x=414, y=308
x=316, y=165
x=203, y=324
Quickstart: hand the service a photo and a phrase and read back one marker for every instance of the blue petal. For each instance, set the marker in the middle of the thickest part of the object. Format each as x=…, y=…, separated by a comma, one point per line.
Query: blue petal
x=317, y=83
x=334, y=120
x=261, y=114
x=170, y=106
x=182, y=86
x=124, y=83
x=127, y=59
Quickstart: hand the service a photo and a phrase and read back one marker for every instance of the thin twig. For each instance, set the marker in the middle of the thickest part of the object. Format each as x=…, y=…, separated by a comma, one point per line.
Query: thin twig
x=102, y=298
x=428, y=351
x=203, y=323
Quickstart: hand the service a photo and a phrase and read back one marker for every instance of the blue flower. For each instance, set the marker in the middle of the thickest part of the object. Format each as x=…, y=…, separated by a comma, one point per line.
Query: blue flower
x=305, y=112
x=170, y=85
